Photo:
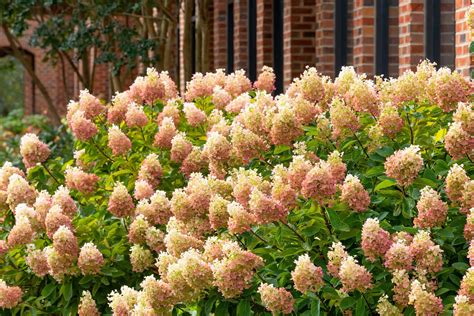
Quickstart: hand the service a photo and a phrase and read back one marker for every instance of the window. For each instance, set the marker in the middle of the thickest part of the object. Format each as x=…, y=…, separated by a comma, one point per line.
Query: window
x=433, y=30
x=278, y=44
x=381, y=37
x=230, y=37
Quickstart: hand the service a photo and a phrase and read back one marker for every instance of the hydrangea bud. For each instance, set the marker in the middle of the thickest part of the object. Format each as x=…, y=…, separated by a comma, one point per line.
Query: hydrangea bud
x=424, y=302
x=90, y=259
x=306, y=276
x=458, y=142
x=354, y=276
x=180, y=147
x=166, y=132
x=143, y=190
x=135, y=116
x=19, y=191
x=265, y=80
x=55, y=219
x=336, y=254
x=319, y=182
x=120, y=101
x=33, y=150
x=37, y=261
x=81, y=127
x=432, y=211
x=455, y=181
x=87, y=306
x=10, y=296
x=140, y=258
x=81, y=181
x=194, y=116
x=120, y=201
x=158, y=294
x=233, y=269
x=137, y=230
x=276, y=300
x=63, y=199
x=354, y=194
x=398, y=257
x=240, y=220
x=65, y=243
x=118, y=142
x=150, y=170
x=404, y=165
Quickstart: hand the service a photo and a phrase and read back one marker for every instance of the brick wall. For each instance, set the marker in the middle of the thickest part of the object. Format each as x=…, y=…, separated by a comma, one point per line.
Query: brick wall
x=324, y=40
x=264, y=33
x=464, y=61
x=411, y=23
x=240, y=35
x=299, y=24
x=393, y=39
x=447, y=51
x=220, y=34
x=363, y=36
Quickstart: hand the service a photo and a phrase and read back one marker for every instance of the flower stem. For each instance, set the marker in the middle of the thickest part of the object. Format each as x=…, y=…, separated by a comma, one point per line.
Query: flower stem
x=326, y=219
x=50, y=173
x=263, y=239
x=411, y=129
x=469, y=158
x=294, y=231
x=360, y=143
x=368, y=305
x=101, y=151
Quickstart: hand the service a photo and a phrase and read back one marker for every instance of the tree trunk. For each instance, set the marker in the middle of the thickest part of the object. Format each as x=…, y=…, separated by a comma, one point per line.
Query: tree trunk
x=198, y=34
x=19, y=55
x=204, y=31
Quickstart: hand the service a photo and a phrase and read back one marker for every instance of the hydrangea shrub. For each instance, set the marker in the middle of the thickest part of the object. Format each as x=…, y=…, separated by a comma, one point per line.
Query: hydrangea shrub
x=339, y=197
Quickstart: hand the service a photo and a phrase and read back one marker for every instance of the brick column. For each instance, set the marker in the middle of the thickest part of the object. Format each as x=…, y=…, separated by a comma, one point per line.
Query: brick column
x=325, y=26
x=364, y=36
x=240, y=35
x=464, y=60
x=447, y=49
x=299, y=21
x=264, y=34
x=411, y=26
x=393, y=40
x=219, y=31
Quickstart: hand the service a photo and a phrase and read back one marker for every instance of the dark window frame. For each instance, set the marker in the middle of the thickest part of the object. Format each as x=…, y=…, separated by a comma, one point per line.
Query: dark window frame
x=278, y=44
x=381, y=36
x=433, y=31
x=252, y=39
x=230, y=36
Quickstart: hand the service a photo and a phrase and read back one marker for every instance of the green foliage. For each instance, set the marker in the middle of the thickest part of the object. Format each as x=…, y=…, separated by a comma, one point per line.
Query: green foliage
x=11, y=81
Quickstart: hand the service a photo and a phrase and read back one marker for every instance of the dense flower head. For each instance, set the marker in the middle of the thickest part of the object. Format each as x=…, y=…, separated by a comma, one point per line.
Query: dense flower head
x=455, y=181
x=154, y=239
x=309, y=85
x=424, y=302
x=87, y=305
x=90, y=259
x=177, y=242
x=343, y=118
x=194, y=162
x=217, y=147
x=59, y=265
x=23, y=210
x=120, y=201
x=143, y=190
x=33, y=150
x=19, y=191
x=385, y=308
x=137, y=230
x=180, y=147
x=238, y=104
x=398, y=256
x=446, y=88
x=265, y=208
x=467, y=285
x=6, y=171
x=354, y=194
x=240, y=220
x=362, y=96
x=467, y=199
x=401, y=287
x=116, y=112
x=194, y=116
x=190, y=275
x=218, y=215
x=265, y=80
x=304, y=110
x=21, y=233
x=297, y=171
x=90, y=104
x=158, y=294
x=123, y=302
x=375, y=240
x=247, y=144
x=319, y=182
x=390, y=120
x=63, y=199
x=65, y=242
x=458, y=142
x=344, y=79
x=285, y=125
x=157, y=210
x=470, y=253
x=10, y=296
x=118, y=142
x=135, y=116
x=354, y=276
x=336, y=254
x=220, y=97
x=151, y=170
x=37, y=261
x=81, y=181
x=462, y=307
x=54, y=219
x=306, y=276
x=464, y=115
x=432, y=211
x=202, y=85
x=140, y=258
x=427, y=255
x=276, y=300
x=235, y=269
x=237, y=83
x=166, y=132
x=147, y=89
x=404, y=165
x=81, y=127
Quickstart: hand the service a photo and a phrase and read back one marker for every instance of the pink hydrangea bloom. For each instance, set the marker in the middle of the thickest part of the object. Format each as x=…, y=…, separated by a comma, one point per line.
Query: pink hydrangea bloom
x=120, y=102
x=55, y=219
x=180, y=147
x=354, y=194
x=424, y=302
x=81, y=127
x=37, y=261
x=458, y=142
x=362, y=96
x=194, y=116
x=467, y=199
x=401, y=287
x=19, y=191
x=157, y=210
x=276, y=300
x=65, y=242
x=467, y=285
x=306, y=276
x=10, y=296
x=90, y=259
x=140, y=258
x=354, y=276
x=432, y=211
x=462, y=307
x=404, y=165
x=81, y=181
x=6, y=171
x=247, y=144
x=148, y=88
x=309, y=85
x=336, y=254
x=137, y=230
x=428, y=256
x=33, y=150
x=118, y=142
x=90, y=104
x=87, y=305
x=319, y=182
x=285, y=126
x=143, y=190
x=464, y=115
x=343, y=118
x=166, y=132
x=237, y=83
x=375, y=240
x=265, y=208
x=455, y=181
x=265, y=80
x=220, y=97
x=158, y=294
x=135, y=116
x=154, y=239
x=398, y=257
x=390, y=120
x=120, y=201
x=240, y=220
x=21, y=233
x=446, y=88
x=63, y=199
